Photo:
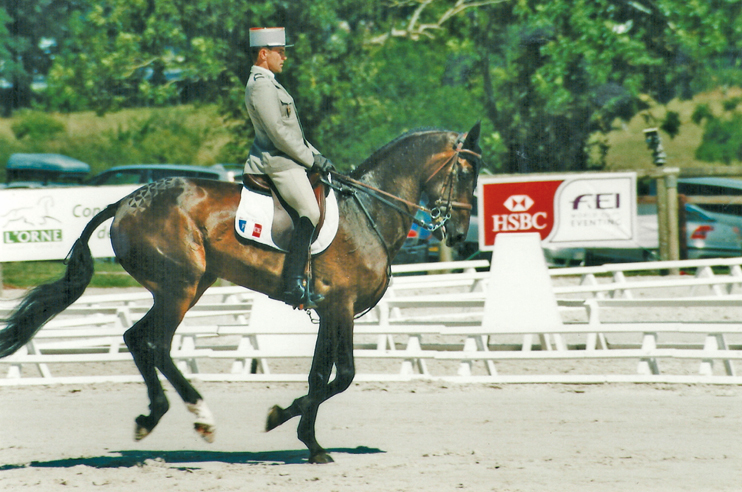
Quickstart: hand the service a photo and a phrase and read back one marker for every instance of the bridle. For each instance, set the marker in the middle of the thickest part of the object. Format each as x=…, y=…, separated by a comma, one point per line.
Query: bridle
x=442, y=210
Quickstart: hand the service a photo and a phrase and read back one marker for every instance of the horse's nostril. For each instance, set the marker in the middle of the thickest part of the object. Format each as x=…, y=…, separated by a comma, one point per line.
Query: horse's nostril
x=455, y=239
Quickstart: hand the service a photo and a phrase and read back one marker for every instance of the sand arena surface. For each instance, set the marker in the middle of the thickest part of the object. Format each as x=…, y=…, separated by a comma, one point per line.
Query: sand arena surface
x=416, y=436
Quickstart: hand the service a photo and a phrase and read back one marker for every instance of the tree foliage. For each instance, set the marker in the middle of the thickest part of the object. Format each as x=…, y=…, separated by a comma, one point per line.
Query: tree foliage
x=31, y=35
x=548, y=78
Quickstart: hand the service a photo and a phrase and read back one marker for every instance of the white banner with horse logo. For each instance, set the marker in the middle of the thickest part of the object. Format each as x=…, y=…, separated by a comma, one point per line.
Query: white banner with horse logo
x=43, y=223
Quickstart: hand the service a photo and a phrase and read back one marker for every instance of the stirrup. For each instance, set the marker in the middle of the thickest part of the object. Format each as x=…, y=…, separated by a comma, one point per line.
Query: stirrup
x=299, y=297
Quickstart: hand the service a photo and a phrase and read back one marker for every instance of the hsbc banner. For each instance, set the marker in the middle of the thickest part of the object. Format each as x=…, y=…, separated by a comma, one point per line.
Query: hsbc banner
x=43, y=223
x=585, y=210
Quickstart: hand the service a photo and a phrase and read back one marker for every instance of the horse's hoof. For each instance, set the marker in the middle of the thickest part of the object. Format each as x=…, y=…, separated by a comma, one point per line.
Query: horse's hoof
x=321, y=458
x=140, y=432
x=204, y=424
x=274, y=418
x=207, y=432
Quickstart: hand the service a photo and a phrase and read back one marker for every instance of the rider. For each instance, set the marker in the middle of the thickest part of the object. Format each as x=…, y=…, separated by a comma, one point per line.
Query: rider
x=281, y=152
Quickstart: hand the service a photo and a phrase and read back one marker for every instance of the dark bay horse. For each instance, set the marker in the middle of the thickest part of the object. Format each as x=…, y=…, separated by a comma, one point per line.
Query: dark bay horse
x=176, y=237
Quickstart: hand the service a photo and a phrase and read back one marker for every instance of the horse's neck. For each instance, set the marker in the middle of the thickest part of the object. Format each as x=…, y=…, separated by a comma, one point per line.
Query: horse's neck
x=402, y=180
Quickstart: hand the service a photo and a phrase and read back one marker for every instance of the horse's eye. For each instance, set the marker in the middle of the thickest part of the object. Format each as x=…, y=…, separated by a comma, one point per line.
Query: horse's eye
x=464, y=172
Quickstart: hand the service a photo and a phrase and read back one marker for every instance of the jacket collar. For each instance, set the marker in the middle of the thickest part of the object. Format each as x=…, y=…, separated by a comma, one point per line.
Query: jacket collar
x=261, y=70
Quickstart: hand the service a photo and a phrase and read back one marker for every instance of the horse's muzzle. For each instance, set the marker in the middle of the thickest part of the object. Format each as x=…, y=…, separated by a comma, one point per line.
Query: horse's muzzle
x=452, y=239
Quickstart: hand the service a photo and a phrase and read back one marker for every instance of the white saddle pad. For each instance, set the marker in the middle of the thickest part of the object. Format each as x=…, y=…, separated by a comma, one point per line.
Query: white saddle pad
x=254, y=220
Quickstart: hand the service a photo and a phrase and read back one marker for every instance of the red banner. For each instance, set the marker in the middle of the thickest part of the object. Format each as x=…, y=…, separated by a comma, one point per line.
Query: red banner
x=518, y=207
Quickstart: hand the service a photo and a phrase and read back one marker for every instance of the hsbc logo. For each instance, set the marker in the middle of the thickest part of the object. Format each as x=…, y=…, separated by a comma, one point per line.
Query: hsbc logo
x=519, y=219
x=518, y=203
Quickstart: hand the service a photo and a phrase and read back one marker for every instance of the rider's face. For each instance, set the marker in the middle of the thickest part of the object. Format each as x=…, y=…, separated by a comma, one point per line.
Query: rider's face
x=275, y=58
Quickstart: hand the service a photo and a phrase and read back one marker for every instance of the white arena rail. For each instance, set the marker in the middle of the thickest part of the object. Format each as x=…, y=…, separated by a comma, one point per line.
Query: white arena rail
x=434, y=325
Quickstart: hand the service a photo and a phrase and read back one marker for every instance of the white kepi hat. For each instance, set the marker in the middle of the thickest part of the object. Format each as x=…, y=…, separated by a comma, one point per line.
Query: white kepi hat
x=268, y=37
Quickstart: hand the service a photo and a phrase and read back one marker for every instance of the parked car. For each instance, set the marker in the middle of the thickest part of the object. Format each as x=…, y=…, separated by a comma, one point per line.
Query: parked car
x=423, y=246
x=416, y=248
x=39, y=170
x=708, y=235
x=147, y=173
x=713, y=187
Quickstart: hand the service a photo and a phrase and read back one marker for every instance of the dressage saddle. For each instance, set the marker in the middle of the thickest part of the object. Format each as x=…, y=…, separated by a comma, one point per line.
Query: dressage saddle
x=261, y=183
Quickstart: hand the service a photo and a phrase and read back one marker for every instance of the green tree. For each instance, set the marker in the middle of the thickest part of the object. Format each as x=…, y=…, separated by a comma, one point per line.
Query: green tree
x=549, y=78
x=555, y=74
x=35, y=30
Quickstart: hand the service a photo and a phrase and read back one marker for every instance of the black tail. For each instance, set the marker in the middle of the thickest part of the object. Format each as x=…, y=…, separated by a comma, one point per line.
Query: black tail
x=48, y=300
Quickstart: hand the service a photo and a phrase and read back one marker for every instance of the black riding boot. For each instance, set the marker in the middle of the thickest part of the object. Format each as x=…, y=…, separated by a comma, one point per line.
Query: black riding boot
x=297, y=291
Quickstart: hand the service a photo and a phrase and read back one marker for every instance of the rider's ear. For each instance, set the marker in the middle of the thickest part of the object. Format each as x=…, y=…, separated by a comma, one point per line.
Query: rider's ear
x=472, y=138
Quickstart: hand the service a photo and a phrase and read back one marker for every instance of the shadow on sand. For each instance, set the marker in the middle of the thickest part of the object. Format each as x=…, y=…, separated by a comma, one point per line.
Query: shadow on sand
x=190, y=459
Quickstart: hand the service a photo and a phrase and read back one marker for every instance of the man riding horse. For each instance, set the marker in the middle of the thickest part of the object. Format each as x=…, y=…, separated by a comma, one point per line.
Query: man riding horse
x=281, y=152
x=177, y=236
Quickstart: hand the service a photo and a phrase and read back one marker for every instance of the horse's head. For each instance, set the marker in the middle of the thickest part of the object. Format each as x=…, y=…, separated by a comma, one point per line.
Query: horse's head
x=451, y=182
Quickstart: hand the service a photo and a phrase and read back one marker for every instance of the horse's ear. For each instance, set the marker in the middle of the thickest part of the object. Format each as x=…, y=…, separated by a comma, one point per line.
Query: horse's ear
x=472, y=138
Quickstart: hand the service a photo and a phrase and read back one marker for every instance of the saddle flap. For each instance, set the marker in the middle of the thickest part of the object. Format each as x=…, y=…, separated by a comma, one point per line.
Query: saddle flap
x=257, y=214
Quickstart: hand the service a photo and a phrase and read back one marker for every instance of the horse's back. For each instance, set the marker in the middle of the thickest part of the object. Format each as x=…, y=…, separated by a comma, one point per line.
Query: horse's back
x=164, y=221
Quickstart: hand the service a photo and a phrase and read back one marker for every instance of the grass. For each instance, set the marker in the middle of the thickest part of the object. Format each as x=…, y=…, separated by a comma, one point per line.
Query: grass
x=27, y=274
x=628, y=150
x=174, y=135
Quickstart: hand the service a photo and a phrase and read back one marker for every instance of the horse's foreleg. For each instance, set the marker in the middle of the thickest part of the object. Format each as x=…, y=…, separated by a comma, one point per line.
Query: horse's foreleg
x=334, y=346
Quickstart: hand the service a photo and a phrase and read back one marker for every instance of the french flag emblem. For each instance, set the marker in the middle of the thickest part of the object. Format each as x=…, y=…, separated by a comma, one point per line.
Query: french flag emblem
x=257, y=230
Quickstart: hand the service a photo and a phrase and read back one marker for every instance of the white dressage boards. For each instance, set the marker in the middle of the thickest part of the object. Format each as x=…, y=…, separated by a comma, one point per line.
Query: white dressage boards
x=514, y=322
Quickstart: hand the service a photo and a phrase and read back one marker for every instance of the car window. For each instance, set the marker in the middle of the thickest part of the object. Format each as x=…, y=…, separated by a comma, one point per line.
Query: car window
x=697, y=216
x=129, y=176
x=167, y=173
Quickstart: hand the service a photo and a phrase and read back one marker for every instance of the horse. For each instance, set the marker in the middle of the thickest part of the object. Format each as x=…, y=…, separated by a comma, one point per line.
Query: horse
x=176, y=237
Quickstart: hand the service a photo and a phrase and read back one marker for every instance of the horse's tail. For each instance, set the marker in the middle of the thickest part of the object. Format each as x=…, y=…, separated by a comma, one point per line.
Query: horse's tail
x=46, y=301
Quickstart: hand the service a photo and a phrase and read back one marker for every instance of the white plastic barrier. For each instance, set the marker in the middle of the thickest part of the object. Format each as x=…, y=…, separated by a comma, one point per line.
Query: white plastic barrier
x=481, y=321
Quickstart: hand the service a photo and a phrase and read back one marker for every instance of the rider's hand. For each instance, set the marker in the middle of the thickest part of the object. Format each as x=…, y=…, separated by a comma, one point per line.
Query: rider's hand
x=322, y=164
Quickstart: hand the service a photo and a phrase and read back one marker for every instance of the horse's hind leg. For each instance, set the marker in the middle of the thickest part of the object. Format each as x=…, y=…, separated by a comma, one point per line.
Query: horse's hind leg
x=150, y=342
x=204, y=423
x=138, y=339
